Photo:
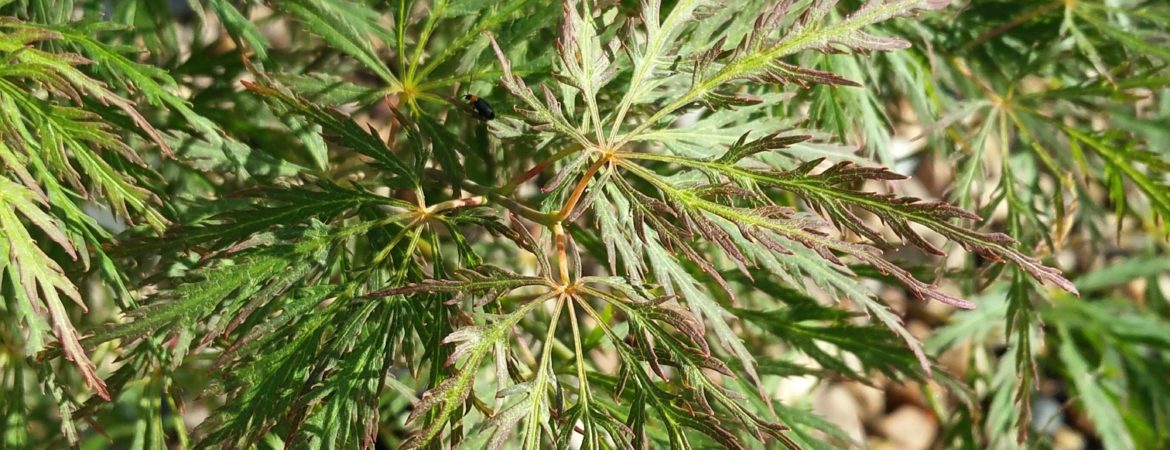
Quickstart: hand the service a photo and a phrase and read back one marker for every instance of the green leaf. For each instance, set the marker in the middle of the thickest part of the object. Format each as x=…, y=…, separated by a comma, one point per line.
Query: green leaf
x=758, y=57
x=828, y=192
x=40, y=280
x=231, y=224
x=241, y=29
x=446, y=148
x=1123, y=272
x=1122, y=160
x=800, y=326
x=334, y=123
x=191, y=303
x=329, y=90
x=1093, y=394
x=649, y=57
x=346, y=25
x=151, y=82
x=547, y=113
x=205, y=155
x=474, y=342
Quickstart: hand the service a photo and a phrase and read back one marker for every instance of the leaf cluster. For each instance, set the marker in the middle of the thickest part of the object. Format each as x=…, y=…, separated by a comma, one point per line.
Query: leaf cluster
x=311, y=233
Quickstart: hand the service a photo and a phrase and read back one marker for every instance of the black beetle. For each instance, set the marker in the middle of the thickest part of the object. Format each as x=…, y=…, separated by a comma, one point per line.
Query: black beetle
x=481, y=107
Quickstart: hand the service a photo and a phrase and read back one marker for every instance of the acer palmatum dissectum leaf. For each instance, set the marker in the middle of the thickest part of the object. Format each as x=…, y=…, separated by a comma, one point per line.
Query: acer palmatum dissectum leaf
x=759, y=55
x=546, y=116
x=40, y=280
x=831, y=193
x=487, y=282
